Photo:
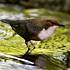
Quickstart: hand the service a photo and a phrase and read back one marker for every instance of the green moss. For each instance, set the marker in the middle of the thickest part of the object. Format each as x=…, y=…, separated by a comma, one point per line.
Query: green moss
x=11, y=44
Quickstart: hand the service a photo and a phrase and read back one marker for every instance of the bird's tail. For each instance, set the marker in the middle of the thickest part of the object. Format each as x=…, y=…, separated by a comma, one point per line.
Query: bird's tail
x=5, y=21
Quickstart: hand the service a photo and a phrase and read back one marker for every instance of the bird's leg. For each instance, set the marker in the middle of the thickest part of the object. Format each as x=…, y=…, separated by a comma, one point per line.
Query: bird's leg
x=28, y=48
x=33, y=46
x=29, y=51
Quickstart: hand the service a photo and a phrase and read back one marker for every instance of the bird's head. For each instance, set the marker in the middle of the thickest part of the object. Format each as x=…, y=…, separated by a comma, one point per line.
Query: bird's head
x=54, y=23
x=48, y=31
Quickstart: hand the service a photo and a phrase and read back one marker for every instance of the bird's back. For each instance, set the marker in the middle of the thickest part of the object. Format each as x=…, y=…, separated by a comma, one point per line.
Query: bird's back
x=29, y=29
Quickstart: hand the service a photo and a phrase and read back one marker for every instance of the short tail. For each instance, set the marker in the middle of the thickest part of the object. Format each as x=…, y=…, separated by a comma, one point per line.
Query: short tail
x=4, y=20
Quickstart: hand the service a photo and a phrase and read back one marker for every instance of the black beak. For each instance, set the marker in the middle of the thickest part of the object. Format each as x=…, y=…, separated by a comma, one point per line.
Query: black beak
x=61, y=25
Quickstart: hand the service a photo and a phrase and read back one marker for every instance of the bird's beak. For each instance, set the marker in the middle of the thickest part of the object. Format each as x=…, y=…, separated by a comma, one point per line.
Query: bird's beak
x=61, y=25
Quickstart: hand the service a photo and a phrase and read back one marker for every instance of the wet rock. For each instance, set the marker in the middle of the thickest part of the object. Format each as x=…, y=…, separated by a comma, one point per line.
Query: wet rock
x=49, y=63
x=11, y=65
x=11, y=16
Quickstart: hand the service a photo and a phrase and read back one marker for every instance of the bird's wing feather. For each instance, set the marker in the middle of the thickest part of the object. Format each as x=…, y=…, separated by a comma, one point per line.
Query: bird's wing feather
x=32, y=28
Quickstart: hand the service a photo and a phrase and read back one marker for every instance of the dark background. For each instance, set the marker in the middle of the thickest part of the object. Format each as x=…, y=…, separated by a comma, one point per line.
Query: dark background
x=59, y=5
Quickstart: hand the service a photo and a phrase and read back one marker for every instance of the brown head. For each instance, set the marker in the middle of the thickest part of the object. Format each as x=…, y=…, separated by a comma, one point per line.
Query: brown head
x=53, y=22
x=45, y=23
x=48, y=31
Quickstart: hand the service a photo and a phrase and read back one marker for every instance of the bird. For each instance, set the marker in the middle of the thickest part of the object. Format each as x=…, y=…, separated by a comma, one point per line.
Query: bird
x=37, y=29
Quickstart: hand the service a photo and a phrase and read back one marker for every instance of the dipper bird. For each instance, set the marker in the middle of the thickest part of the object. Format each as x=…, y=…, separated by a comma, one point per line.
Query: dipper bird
x=37, y=29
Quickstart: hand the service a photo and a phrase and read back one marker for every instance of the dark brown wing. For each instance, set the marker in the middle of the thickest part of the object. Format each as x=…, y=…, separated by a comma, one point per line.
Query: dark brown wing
x=33, y=28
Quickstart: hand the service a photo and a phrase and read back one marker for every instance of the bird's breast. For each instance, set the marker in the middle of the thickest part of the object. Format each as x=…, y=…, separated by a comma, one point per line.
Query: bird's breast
x=45, y=33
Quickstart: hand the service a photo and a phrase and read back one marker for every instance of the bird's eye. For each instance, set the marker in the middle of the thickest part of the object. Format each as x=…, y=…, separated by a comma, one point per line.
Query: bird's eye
x=46, y=27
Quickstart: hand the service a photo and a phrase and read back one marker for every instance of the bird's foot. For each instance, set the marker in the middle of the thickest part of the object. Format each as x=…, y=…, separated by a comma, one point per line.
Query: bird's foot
x=27, y=52
x=31, y=49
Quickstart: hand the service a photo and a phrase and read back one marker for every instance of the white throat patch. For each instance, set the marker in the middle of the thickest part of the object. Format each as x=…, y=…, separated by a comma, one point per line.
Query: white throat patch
x=44, y=34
